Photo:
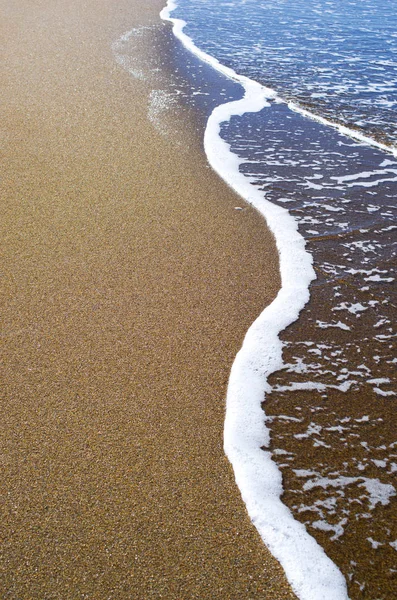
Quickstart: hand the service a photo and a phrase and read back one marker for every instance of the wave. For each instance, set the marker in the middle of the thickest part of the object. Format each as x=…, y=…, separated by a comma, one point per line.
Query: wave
x=343, y=129
x=312, y=575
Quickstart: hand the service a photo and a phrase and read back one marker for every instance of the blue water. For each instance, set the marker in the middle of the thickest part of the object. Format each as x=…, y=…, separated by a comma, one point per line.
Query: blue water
x=337, y=57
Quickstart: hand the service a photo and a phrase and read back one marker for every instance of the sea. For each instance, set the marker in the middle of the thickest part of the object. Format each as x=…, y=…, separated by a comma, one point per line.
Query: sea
x=297, y=104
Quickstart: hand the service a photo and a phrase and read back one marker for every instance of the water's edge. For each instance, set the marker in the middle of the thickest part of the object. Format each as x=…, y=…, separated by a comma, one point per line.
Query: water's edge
x=310, y=572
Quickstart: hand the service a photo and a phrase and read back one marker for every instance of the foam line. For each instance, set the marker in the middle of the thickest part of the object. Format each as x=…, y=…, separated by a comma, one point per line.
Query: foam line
x=312, y=575
x=355, y=135
x=178, y=26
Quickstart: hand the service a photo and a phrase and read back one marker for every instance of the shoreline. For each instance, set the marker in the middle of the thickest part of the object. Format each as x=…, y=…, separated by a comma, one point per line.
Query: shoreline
x=127, y=295
x=247, y=437
x=266, y=92
x=318, y=378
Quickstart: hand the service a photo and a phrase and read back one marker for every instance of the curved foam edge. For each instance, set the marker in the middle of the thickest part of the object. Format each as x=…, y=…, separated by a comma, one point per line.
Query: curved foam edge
x=179, y=24
x=312, y=575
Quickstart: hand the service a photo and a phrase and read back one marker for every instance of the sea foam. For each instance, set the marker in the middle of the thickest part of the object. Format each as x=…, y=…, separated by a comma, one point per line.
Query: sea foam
x=312, y=575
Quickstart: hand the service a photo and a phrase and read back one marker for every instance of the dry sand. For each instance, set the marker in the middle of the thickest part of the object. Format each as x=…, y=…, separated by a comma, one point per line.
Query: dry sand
x=129, y=281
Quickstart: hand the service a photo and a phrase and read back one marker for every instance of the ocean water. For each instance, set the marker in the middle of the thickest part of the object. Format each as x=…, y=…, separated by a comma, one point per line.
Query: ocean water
x=310, y=425
x=339, y=59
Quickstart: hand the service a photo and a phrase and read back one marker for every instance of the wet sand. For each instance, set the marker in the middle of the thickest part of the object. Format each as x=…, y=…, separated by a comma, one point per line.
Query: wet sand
x=129, y=280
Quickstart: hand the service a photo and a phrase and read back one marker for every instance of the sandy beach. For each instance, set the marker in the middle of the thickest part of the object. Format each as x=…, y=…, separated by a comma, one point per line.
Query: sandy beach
x=129, y=281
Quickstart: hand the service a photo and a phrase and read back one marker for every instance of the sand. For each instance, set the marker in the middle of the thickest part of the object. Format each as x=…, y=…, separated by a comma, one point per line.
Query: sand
x=129, y=281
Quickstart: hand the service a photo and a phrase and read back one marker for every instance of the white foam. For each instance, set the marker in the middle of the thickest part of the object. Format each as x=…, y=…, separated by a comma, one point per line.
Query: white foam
x=178, y=26
x=384, y=393
x=338, y=529
x=363, y=175
x=374, y=543
x=352, y=308
x=379, y=279
x=159, y=102
x=378, y=492
x=128, y=62
x=312, y=575
x=338, y=325
x=355, y=135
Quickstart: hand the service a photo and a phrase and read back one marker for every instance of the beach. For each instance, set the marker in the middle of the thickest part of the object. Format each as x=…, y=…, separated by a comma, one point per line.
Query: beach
x=129, y=282
x=312, y=146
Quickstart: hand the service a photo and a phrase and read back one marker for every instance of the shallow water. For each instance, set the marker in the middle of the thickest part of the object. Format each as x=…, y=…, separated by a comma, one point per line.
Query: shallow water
x=331, y=409
x=337, y=58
